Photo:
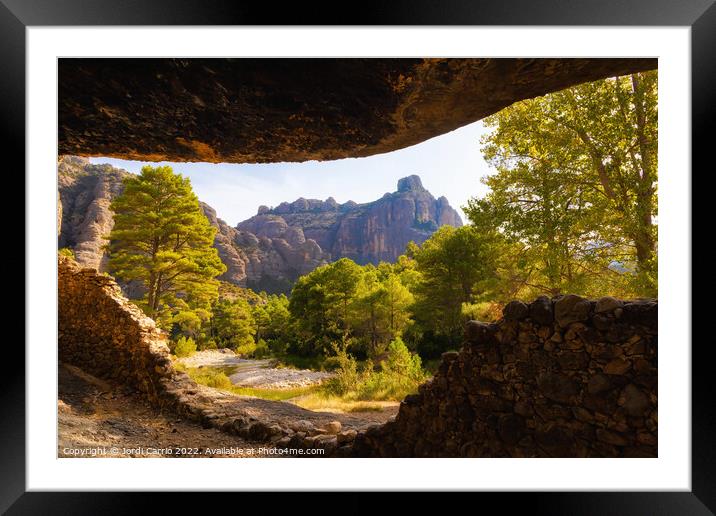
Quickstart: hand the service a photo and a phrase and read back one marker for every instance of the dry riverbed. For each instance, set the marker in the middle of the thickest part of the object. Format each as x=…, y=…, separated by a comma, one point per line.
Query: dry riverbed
x=264, y=380
x=259, y=374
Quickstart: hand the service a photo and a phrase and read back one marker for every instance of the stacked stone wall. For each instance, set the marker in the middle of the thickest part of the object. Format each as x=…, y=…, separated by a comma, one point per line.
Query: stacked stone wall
x=562, y=377
x=103, y=333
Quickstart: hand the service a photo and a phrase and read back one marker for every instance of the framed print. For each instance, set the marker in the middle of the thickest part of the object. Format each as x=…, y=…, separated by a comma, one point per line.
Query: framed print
x=422, y=247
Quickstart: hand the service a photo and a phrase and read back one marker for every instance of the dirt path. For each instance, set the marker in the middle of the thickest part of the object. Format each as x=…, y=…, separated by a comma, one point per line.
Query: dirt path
x=96, y=418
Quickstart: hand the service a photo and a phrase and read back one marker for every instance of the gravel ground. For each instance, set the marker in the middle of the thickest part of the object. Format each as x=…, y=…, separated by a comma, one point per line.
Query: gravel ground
x=100, y=419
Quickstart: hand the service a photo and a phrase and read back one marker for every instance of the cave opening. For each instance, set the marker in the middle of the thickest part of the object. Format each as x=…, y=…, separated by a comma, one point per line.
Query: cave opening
x=525, y=385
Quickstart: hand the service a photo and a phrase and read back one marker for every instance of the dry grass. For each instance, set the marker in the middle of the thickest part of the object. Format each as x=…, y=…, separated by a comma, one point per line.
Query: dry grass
x=321, y=402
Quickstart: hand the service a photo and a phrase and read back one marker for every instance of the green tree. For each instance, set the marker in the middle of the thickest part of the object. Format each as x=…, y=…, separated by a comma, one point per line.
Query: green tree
x=321, y=303
x=185, y=347
x=162, y=238
x=233, y=325
x=456, y=266
x=576, y=184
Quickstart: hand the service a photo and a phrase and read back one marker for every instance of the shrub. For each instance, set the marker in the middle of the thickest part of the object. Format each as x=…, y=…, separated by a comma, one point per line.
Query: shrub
x=403, y=363
x=66, y=251
x=211, y=378
x=185, y=347
x=262, y=350
x=245, y=347
x=346, y=378
x=278, y=346
x=401, y=373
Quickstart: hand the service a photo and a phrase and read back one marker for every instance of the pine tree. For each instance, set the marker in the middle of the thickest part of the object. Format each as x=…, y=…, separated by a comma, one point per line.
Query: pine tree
x=162, y=238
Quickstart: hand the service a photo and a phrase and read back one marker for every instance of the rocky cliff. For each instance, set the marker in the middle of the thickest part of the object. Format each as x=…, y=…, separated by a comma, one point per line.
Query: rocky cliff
x=84, y=217
x=272, y=249
x=367, y=233
x=263, y=262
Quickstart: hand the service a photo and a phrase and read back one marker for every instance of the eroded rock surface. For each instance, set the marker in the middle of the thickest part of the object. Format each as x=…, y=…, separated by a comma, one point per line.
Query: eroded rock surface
x=271, y=110
x=367, y=233
x=84, y=217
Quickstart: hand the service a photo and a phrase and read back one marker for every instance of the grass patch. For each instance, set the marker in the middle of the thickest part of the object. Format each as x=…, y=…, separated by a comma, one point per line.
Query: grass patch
x=321, y=401
x=274, y=394
x=369, y=392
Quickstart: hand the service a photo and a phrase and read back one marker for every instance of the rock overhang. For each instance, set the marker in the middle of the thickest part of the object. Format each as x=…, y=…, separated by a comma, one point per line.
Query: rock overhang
x=293, y=110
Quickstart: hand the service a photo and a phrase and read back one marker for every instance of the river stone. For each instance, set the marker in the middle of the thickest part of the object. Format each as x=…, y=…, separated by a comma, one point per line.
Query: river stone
x=607, y=304
x=334, y=427
x=515, y=311
x=510, y=427
x=598, y=383
x=476, y=331
x=571, y=308
x=612, y=438
x=541, y=310
x=634, y=401
x=557, y=387
x=346, y=436
x=301, y=426
x=617, y=366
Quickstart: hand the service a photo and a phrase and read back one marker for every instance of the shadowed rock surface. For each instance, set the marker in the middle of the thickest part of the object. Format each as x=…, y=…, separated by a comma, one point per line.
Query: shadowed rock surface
x=560, y=377
x=272, y=110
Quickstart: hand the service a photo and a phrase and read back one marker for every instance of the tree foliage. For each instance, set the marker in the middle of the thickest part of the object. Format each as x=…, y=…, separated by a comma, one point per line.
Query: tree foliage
x=576, y=186
x=455, y=266
x=162, y=239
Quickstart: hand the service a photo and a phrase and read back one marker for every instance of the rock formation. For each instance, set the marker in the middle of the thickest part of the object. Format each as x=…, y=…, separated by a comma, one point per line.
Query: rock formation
x=367, y=233
x=84, y=217
x=272, y=249
x=263, y=262
x=272, y=110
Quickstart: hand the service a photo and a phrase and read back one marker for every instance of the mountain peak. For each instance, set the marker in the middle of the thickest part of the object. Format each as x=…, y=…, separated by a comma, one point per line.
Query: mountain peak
x=410, y=183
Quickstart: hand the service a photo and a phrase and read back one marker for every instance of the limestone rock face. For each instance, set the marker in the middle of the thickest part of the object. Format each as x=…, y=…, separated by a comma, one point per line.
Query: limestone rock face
x=84, y=217
x=270, y=259
x=367, y=233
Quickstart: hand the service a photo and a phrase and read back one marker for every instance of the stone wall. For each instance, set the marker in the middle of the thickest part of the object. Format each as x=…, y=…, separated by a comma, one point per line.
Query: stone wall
x=103, y=333
x=562, y=377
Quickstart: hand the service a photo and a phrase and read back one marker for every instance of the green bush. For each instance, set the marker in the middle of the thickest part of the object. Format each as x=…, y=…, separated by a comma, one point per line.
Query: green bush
x=66, y=251
x=211, y=378
x=262, y=350
x=246, y=347
x=401, y=373
x=346, y=378
x=185, y=347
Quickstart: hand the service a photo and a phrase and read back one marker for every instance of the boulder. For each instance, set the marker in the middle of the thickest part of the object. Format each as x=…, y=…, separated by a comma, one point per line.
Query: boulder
x=571, y=308
x=515, y=311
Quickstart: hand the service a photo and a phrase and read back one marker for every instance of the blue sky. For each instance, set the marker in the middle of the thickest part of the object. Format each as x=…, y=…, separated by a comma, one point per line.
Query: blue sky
x=450, y=165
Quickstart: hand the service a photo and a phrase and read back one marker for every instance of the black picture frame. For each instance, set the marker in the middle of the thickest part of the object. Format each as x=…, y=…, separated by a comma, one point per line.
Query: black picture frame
x=700, y=15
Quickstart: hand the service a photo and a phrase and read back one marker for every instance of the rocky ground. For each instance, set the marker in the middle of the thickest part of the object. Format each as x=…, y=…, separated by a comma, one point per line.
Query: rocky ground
x=102, y=419
x=255, y=373
x=95, y=416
